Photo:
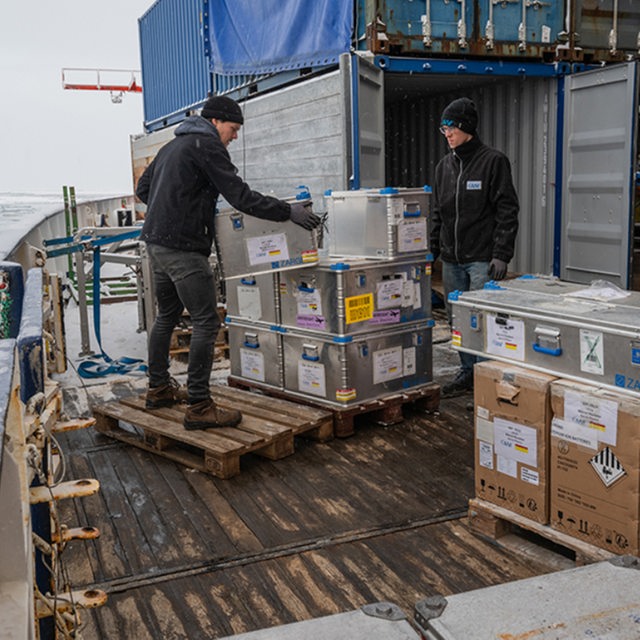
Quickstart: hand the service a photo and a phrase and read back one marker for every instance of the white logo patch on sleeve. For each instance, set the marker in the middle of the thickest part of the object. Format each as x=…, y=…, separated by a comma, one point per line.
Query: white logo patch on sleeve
x=474, y=185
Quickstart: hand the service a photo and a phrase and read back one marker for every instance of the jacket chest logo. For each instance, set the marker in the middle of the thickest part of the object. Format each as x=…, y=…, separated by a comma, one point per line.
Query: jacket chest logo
x=474, y=185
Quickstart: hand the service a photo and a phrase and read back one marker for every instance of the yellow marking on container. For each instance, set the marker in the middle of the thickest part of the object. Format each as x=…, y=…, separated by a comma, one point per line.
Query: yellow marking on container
x=359, y=308
x=310, y=255
x=344, y=395
x=456, y=338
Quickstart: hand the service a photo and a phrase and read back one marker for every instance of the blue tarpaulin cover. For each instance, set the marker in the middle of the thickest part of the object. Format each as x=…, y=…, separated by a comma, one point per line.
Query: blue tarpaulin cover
x=266, y=36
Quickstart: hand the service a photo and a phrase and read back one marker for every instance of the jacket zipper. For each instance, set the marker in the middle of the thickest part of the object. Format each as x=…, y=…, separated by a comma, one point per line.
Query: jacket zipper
x=457, y=219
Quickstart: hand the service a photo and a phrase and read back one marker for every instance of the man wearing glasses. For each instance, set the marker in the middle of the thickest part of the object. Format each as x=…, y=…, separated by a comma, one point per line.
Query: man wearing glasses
x=474, y=218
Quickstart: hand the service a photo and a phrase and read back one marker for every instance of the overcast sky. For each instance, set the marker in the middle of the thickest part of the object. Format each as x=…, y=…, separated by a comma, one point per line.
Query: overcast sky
x=50, y=136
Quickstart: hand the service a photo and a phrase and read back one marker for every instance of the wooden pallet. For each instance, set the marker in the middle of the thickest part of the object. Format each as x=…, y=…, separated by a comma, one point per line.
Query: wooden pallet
x=386, y=410
x=267, y=429
x=498, y=523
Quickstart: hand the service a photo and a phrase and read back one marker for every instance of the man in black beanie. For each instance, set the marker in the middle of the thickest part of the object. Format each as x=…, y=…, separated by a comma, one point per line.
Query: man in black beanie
x=474, y=218
x=181, y=187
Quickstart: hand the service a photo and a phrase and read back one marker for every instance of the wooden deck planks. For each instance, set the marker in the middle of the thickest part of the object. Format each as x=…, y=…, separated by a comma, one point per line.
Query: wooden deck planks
x=378, y=516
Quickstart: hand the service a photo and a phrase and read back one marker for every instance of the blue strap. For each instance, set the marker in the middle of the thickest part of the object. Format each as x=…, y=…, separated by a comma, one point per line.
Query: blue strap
x=93, y=367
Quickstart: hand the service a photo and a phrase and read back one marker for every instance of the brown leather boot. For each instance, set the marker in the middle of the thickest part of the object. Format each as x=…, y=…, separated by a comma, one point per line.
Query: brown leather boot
x=166, y=395
x=206, y=415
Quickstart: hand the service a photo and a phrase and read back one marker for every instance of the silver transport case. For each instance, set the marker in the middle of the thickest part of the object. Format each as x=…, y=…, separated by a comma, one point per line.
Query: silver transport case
x=590, y=334
x=247, y=245
x=377, y=223
x=350, y=296
x=340, y=371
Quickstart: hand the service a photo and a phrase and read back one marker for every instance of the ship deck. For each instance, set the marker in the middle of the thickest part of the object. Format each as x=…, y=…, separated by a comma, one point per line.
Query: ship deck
x=378, y=516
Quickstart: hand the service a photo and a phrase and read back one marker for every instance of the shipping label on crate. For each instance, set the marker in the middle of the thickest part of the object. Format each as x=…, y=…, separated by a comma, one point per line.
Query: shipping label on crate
x=309, y=303
x=311, y=378
x=591, y=351
x=389, y=293
x=358, y=308
x=505, y=337
x=252, y=365
x=267, y=249
x=515, y=441
x=387, y=365
x=412, y=235
x=249, y=304
x=597, y=414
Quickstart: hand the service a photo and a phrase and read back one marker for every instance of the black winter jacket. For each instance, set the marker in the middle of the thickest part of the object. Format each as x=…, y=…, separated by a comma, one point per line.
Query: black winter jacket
x=182, y=184
x=475, y=210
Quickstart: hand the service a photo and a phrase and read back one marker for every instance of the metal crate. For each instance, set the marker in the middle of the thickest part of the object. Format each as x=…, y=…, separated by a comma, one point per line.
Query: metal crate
x=254, y=298
x=348, y=297
x=548, y=328
x=255, y=353
x=248, y=245
x=343, y=371
x=377, y=223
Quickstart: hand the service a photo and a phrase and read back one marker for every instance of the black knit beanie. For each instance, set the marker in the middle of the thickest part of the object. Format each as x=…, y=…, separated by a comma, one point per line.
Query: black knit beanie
x=461, y=113
x=222, y=108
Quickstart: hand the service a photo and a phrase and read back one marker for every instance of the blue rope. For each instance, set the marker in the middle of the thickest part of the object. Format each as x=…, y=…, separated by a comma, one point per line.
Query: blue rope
x=103, y=365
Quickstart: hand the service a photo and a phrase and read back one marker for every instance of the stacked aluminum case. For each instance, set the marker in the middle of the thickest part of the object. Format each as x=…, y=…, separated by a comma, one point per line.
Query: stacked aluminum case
x=249, y=246
x=590, y=334
x=377, y=223
x=349, y=329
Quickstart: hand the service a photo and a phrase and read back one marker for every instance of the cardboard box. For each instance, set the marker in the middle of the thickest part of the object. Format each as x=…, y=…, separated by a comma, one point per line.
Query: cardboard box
x=512, y=421
x=595, y=466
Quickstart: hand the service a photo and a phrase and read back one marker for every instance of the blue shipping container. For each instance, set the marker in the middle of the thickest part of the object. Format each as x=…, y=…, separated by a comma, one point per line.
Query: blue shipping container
x=175, y=69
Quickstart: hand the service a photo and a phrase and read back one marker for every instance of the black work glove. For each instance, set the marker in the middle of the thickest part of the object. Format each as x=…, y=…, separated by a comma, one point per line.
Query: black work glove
x=497, y=269
x=301, y=214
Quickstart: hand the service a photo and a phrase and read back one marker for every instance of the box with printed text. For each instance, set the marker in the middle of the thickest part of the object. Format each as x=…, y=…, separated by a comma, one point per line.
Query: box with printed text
x=595, y=466
x=512, y=418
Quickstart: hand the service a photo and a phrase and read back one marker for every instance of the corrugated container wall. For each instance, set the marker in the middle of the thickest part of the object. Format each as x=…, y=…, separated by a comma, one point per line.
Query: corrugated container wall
x=294, y=136
x=578, y=30
x=175, y=71
x=517, y=116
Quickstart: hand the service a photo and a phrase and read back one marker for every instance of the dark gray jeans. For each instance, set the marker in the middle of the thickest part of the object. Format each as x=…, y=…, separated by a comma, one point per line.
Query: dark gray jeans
x=183, y=279
x=464, y=277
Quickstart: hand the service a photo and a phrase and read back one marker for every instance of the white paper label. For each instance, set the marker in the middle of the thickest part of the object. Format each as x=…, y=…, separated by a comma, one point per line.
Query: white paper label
x=482, y=412
x=408, y=292
x=311, y=378
x=417, y=295
x=485, y=455
x=598, y=414
x=545, y=34
x=409, y=358
x=252, y=364
x=572, y=432
x=506, y=337
x=530, y=476
x=389, y=293
x=309, y=302
x=484, y=430
x=591, y=352
x=387, y=365
x=515, y=441
x=507, y=466
x=412, y=235
x=266, y=249
x=249, y=304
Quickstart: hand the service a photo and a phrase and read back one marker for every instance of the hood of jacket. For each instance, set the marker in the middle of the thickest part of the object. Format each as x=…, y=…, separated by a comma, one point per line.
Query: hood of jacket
x=196, y=124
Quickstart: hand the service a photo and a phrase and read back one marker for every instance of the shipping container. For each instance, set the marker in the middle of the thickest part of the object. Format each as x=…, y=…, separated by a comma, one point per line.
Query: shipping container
x=577, y=30
x=570, y=131
x=187, y=53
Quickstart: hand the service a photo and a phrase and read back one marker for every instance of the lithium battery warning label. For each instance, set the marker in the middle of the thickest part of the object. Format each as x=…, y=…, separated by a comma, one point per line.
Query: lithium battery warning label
x=607, y=466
